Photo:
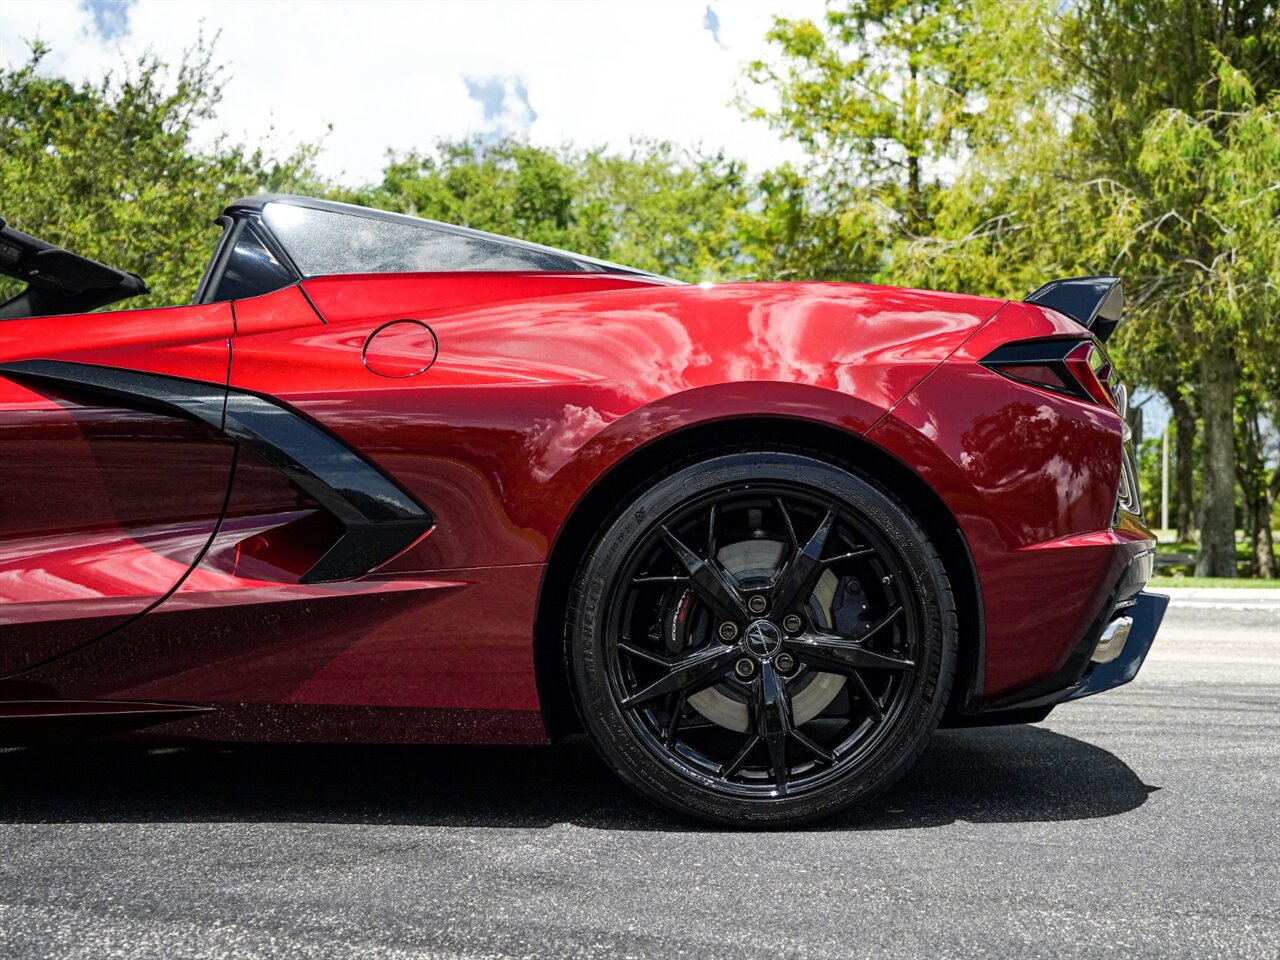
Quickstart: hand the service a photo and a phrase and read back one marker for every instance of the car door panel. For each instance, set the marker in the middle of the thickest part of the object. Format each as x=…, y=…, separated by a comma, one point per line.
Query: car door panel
x=106, y=499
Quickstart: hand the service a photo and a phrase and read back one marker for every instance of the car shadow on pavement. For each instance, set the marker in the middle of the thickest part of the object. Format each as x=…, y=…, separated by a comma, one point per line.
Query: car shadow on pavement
x=994, y=775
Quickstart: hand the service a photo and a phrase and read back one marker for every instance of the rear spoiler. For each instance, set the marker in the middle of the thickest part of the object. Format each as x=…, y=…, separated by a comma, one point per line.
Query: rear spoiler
x=1092, y=302
x=58, y=281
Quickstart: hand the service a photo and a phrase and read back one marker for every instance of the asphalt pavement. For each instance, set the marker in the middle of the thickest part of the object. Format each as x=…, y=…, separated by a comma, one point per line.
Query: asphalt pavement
x=1144, y=822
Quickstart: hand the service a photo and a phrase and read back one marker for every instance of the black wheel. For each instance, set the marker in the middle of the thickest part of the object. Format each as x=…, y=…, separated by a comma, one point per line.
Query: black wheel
x=761, y=638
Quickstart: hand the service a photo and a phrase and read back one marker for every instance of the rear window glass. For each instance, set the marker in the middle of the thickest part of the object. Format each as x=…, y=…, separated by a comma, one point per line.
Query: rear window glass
x=323, y=243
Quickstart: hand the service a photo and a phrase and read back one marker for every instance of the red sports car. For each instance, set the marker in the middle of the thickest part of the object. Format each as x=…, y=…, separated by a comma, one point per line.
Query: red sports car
x=392, y=480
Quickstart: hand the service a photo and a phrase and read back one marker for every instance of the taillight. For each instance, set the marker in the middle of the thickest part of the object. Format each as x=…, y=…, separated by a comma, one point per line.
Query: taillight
x=1075, y=368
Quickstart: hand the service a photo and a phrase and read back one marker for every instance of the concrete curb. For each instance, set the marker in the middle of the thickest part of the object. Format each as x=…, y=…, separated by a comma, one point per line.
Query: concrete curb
x=1244, y=598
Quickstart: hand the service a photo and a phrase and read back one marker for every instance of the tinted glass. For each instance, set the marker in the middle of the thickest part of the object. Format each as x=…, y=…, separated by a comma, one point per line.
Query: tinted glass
x=251, y=271
x=323, y=243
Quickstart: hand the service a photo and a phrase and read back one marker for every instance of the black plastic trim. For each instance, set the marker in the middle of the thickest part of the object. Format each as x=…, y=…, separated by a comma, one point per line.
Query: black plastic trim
x=221, y=257
x=58, y=281
x=1000, y=718
x=1006, y=359
x=217, y=263
x=975, y=685
x=379, y=518
x=1093, y=302
x=233, y=232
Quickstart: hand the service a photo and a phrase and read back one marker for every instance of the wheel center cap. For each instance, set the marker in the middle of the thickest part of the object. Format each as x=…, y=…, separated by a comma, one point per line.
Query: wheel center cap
x=763, y=638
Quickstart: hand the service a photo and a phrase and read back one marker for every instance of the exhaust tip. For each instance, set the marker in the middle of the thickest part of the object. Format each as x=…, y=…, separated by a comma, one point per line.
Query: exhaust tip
x=1114, y=635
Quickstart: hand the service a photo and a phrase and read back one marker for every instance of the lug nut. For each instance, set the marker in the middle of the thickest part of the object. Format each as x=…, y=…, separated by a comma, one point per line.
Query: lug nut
x=744, y=668
x=785, y=662
x=757, y=604
x=728, y=631
x=792, y=623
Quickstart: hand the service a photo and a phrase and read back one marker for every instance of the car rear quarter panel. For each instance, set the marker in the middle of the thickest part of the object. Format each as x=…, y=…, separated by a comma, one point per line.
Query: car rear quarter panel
x=1031, y=478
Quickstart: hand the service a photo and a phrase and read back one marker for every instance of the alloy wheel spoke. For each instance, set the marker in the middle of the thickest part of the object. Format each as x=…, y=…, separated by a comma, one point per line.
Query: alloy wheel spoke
x=872, y=702
x=734, y=765
x=813, y=746
x=652, y=578
x=797, y=579
x=631, y=650
x=687, y=674
x=850, y=555
x=673, y=719
x=709, y=580
x=786, y=518
x=844, y=654
x=773, y=721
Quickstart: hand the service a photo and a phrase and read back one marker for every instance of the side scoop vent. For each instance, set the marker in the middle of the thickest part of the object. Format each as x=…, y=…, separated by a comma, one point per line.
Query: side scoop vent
x=378, y=518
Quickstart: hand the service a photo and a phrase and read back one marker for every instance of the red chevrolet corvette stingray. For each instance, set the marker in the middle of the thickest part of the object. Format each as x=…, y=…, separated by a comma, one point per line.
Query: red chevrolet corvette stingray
x=392, y=480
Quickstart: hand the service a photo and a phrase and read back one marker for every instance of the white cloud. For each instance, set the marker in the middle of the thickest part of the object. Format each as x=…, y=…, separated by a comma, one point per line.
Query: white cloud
x=110, y=17
x=505, y=101
x=389, y=73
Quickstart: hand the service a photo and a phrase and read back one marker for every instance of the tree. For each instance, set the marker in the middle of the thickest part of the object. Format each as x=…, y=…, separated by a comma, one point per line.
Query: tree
x=1224, y=282
x=1165, y=174
x=1130, y=136
x=111, y=169
x=890, y=100
x=1258, y=443
x=508, y=186
x=875, y=96
x=655, y=207
x=674, y=211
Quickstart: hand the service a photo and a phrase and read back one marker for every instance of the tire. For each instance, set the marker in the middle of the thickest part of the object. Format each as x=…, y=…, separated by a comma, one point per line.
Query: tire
x=761, y=639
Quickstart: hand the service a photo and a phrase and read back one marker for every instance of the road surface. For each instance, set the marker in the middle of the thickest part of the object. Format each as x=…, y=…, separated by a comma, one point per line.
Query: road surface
x=1142, y=823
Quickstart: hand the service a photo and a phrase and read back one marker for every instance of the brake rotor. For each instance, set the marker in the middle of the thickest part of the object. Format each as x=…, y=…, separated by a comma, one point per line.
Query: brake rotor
x=753, y=563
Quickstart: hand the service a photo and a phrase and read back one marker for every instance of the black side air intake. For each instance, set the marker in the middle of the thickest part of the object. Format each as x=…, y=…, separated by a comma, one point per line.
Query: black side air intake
x=379, y=519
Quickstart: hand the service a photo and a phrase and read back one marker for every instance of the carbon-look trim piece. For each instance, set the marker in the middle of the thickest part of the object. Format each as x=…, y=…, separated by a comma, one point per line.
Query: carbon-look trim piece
x=62, y=709
x=1093, y=302
x=379, y=518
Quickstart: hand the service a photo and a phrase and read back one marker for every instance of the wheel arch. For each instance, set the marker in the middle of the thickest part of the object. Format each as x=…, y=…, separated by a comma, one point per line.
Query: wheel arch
x=848, y=450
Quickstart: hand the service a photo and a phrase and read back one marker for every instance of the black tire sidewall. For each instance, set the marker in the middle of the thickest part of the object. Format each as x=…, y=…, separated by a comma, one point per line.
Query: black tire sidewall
x=588, y=639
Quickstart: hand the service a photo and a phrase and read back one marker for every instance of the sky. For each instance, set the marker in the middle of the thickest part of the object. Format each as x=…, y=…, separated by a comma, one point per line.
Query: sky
x=399, y=74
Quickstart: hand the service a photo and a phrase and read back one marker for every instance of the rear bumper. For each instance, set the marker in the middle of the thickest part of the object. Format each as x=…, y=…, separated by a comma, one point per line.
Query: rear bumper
x=1146, y=614
x=1110, y=650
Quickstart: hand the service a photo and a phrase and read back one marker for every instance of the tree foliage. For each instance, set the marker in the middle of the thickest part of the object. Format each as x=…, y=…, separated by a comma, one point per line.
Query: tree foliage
x=656, y=207
x=113, y=169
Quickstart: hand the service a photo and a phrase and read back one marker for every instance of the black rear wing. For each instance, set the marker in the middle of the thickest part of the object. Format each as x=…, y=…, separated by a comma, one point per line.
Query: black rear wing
x=1093, y=302
x=58, y=281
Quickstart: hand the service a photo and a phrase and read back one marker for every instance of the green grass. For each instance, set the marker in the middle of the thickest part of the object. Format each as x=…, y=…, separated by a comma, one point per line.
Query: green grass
x=1180, y=572
x=1243, y=550
x=1163, y=583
